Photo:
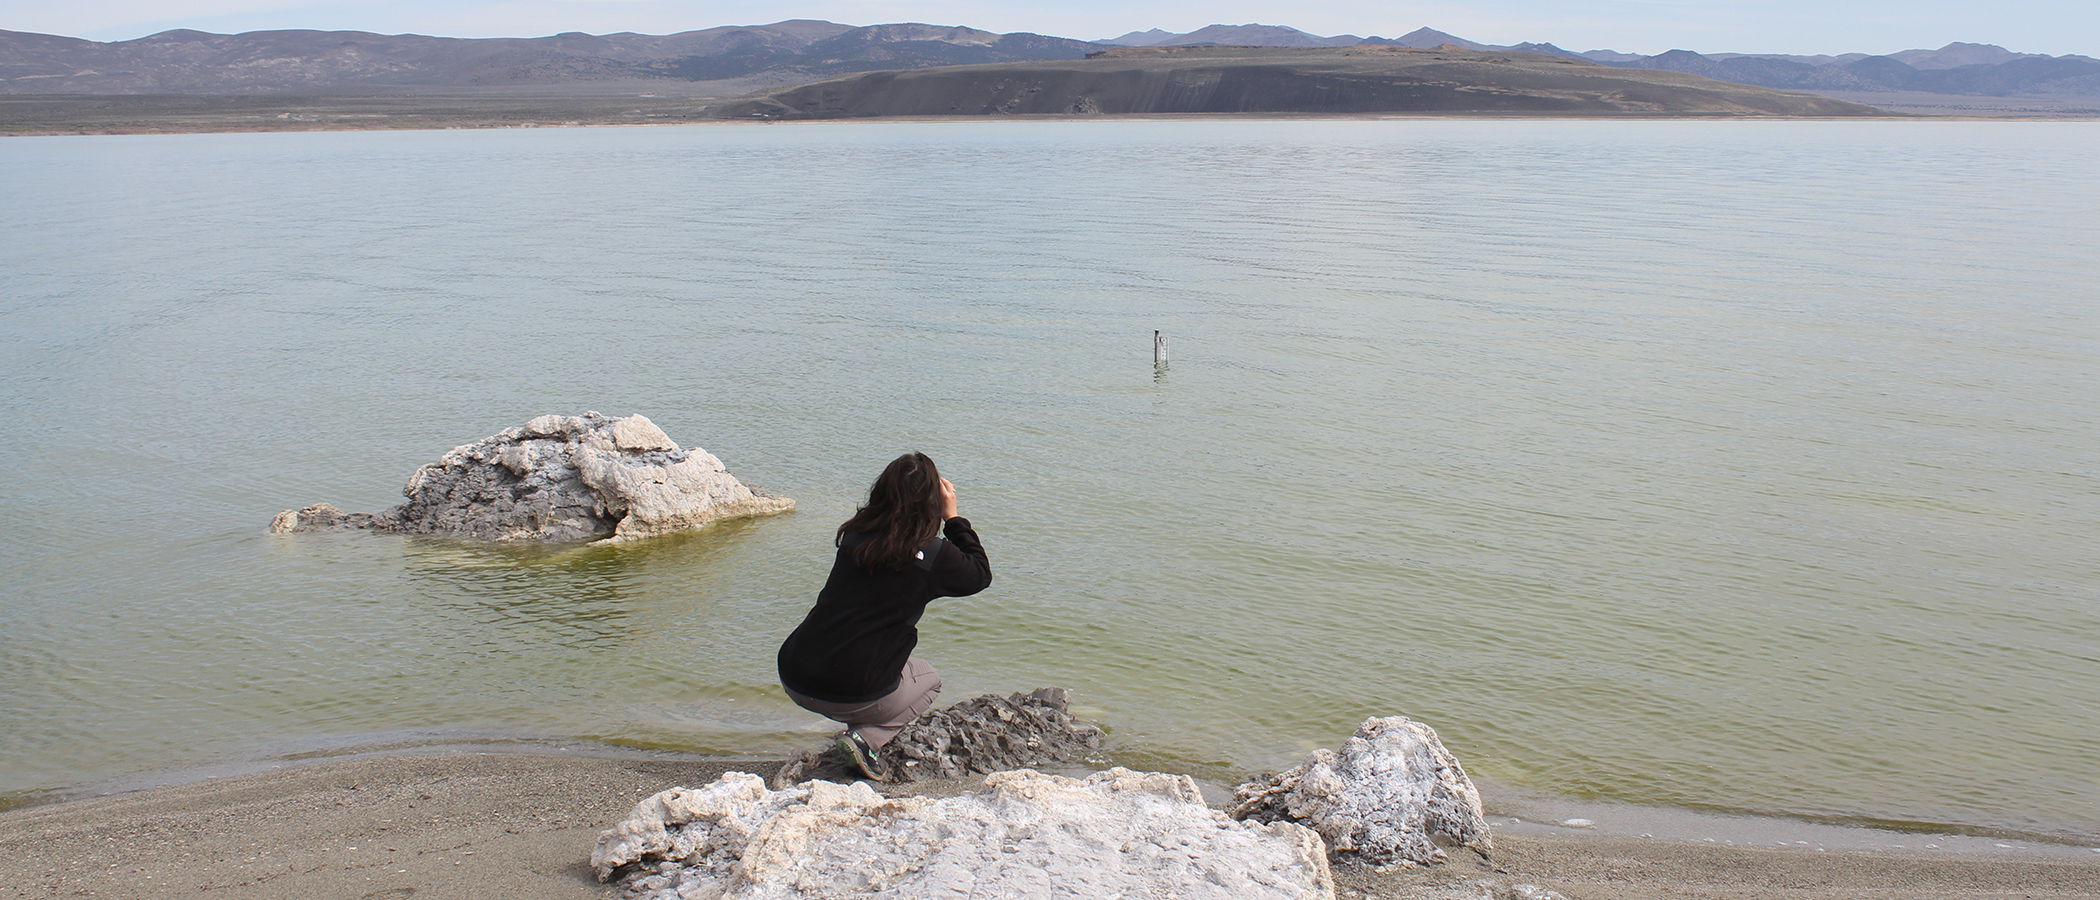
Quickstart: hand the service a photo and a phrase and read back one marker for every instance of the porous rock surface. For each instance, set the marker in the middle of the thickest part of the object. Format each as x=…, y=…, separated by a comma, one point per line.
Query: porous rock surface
x=981, y=735
x=1112, y=834
x=1387, y=795
x=559, y=478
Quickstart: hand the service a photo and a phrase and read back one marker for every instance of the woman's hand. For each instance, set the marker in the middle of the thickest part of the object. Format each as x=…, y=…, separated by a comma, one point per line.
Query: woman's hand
x=947, y=499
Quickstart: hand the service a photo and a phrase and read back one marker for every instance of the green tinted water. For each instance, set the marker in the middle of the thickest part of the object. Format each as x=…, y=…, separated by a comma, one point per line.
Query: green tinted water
x=1745, y=466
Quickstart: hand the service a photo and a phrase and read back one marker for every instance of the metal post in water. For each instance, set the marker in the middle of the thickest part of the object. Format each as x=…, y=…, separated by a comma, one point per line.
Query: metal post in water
x=1159, y=349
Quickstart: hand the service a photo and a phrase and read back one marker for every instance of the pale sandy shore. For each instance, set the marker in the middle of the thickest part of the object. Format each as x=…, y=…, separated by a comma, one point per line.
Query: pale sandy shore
x=472, y=824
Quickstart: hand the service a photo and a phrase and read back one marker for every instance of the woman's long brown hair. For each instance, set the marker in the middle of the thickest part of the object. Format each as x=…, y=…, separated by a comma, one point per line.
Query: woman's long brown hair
x=903, y=513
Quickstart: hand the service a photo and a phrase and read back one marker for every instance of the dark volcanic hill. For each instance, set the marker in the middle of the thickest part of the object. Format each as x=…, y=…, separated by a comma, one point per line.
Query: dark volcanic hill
x=1353, y=80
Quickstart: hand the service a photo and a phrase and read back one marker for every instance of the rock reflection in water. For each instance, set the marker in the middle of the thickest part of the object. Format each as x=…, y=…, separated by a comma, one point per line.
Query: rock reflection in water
x=594, y=596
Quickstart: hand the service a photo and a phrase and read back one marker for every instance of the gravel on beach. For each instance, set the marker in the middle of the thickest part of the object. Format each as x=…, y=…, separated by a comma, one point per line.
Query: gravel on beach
x=465, y=824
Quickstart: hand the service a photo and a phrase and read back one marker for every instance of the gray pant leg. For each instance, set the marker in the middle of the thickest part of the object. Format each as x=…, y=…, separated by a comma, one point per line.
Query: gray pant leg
x=914, y=695
x=879, y=720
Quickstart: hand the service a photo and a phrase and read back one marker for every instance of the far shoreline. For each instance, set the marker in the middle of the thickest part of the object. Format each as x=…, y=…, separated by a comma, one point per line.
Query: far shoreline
x=49, y=115
x=918, y=120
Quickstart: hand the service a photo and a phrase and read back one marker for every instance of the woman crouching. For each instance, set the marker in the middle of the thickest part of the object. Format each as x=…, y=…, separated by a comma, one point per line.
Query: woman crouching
x=850, y=659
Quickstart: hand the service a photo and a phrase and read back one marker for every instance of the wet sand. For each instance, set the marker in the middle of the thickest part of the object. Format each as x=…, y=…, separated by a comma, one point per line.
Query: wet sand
x=465, y=824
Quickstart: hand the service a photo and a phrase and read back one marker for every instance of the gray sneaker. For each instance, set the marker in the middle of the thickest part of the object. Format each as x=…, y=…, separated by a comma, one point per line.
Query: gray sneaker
x=856, y=751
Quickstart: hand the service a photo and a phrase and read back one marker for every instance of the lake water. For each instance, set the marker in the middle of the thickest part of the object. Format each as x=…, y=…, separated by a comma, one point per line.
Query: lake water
x=1736, y=466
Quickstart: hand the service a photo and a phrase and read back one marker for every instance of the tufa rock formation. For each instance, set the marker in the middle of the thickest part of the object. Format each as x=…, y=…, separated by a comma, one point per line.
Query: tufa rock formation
x=981, y=735
x=558, y=478
x=1385, y=796
x=1112, y=834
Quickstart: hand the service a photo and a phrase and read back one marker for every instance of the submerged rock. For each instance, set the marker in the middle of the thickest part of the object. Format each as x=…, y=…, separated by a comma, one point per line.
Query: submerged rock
x=1112, y=834
x=984, y=734
x=1389, y=794
x=559, y=478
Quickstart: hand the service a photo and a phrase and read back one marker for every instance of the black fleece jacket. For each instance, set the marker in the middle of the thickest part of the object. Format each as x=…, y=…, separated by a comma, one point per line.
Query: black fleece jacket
x=852, y=646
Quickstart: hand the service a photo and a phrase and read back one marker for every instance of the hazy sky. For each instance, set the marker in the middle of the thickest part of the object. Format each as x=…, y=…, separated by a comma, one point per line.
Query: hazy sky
x=1638, y=26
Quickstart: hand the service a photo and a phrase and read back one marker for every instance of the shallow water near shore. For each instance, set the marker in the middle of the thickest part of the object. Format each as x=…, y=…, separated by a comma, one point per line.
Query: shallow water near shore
x=1725, y=466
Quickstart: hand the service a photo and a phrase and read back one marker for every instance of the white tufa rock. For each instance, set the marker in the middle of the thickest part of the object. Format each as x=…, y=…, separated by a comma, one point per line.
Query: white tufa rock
x=1390, y=793
x=1114, y=833
x=636, y=434
x=559, y=478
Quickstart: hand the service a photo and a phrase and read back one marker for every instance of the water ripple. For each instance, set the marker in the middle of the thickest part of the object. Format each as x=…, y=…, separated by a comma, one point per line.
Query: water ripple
x=1735, y=466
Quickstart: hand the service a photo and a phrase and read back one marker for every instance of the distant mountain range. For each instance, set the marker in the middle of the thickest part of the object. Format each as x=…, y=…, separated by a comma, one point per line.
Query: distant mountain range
x=276, y=62
x=1958, y=68
x=194, y=62
x=1286, y=36
x=2017, y=75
